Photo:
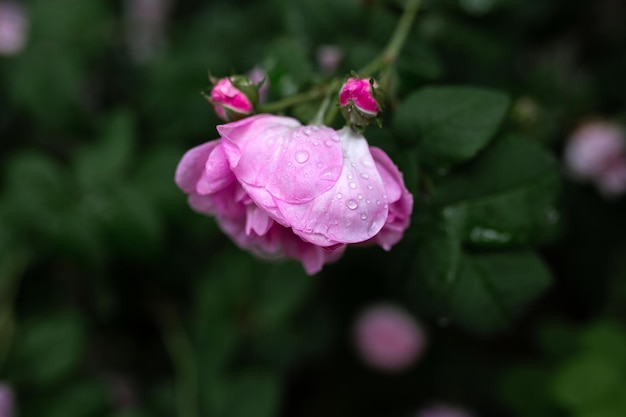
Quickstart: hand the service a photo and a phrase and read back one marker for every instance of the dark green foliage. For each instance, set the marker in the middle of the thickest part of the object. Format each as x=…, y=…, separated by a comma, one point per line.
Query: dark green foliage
x=117, y=300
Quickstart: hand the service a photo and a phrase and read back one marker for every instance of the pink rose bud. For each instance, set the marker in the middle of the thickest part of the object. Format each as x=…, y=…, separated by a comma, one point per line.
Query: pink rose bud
x=7, y=401
x=234, y=98
x=280, y=189
x=388, y=338
x=328, y=58
x=592, y=148
x=359, y=99
x=13, y=28
x=443, y=411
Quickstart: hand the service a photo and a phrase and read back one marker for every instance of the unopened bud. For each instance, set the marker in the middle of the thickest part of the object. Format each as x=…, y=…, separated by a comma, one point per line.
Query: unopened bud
x=359, y=99
x=234, y=98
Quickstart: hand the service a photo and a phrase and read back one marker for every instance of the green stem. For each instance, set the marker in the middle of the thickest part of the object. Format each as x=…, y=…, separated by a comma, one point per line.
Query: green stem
x=182, y=355
x=392, y=50
x=307, y=96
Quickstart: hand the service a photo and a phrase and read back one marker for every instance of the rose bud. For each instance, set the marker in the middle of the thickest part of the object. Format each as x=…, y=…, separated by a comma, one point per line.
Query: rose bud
x=360, y=99
x=234, y=98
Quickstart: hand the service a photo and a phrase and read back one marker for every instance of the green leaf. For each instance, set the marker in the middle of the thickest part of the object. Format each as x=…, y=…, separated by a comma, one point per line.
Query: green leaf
x=49, y=348
x=506, y=196
x=450, y=125
x=493, y=289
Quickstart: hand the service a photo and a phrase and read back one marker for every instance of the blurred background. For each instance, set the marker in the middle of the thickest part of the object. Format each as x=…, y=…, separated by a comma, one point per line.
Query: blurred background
x=117, y=300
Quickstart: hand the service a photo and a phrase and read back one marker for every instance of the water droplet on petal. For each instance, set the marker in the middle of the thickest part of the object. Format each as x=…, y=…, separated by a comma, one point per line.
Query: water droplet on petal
x=364, y=176
x=350, y=176
x=307, y=131
x=339, y=196
x=328, y=143
x=378, y=202
x=302, y=156
x=352, y=164
x=289, y=164
x=367, y=201
x=363, y=216
x=359, y=196
x=315, y=143
x=352, y=204
x=352, y=185
x=370, y=187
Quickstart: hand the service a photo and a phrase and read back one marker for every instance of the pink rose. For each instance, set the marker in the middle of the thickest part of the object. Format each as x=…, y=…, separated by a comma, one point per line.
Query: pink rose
x=278, y=188
x=388, y=338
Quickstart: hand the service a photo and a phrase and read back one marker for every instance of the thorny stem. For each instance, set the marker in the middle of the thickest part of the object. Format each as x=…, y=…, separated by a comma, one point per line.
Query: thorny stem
x=182, y=355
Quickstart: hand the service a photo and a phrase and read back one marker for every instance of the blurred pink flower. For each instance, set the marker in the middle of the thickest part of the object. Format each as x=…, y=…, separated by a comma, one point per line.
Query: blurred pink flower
x=596, y=152
x=13, y=28
x=229, y=102
x=591, y=146
x=329, y=57
x=388, y=338
x=611, y=182
x=443, y=411
x=7, y=401
x=146, y=22
x=256, y=75
x=278, y=188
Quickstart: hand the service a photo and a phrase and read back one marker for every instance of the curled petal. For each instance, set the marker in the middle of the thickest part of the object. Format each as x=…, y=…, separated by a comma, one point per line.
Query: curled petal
x=400, y=201
x=191, y=166
x=217, y=173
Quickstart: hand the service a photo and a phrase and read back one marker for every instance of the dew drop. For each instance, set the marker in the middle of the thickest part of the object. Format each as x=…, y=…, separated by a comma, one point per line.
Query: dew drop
x=319, y=165
x=338, y=196
x=363, y=216
x=328, y=143
x=370, y=187
x=302, y=156
x=378, y=202
x=352, y=164
x=307, y=131
x=350, y=176
x=352, y=185
x=359, y=196
x=352, y=205
x=367, y=201
x=289, y=164
x=365, y=176
x=315, y=143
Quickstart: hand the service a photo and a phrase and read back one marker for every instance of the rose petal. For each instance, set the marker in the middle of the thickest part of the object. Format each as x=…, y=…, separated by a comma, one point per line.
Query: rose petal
x=400, y=201
x=217, y=173
x=191, y=166
x=353, y=210
x=293, y=163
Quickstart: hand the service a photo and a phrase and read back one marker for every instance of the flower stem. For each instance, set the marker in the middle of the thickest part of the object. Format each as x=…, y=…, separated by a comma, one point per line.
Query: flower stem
x=307, y=96
x=392, y=50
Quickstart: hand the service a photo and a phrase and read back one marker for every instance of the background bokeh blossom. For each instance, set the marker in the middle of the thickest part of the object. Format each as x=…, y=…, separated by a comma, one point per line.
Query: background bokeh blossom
x=503, y=119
